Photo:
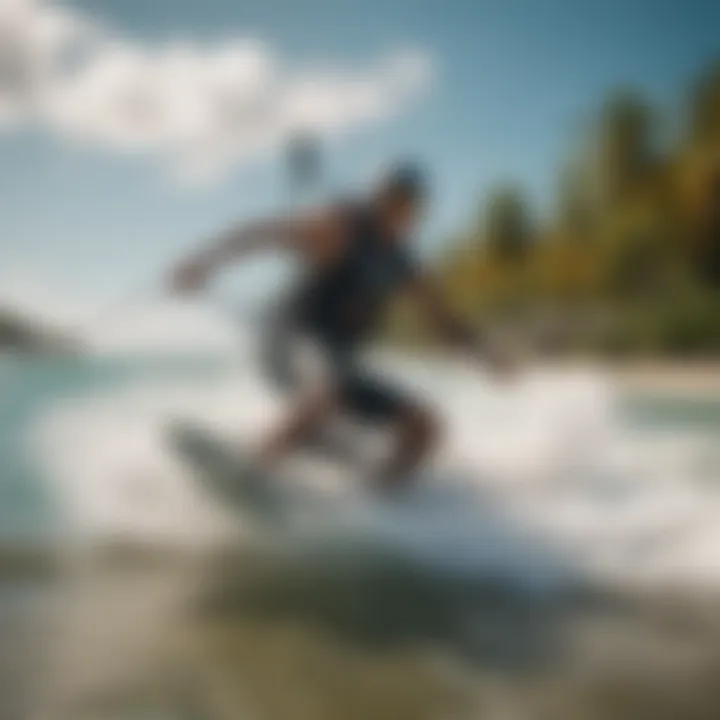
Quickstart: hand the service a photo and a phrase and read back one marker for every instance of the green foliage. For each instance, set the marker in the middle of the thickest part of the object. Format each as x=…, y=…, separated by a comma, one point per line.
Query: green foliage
x=635, y=237
x=625, y=146
x=705, y=107
x=508, y=229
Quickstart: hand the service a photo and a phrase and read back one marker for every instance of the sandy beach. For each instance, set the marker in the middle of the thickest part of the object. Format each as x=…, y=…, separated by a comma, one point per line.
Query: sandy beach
x=697, y=379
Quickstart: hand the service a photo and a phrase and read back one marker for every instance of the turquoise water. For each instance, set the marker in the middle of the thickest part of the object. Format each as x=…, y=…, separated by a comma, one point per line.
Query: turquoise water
x=626, y=487
x=596, y=474
x=675, y=411
x=29, y=388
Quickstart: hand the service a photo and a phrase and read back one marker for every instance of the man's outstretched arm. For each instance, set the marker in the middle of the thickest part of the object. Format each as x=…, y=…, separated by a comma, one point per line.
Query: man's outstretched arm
x=454, y=330
x=319, y=238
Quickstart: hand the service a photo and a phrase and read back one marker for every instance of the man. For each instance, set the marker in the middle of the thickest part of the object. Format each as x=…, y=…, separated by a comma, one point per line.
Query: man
x=357, y=258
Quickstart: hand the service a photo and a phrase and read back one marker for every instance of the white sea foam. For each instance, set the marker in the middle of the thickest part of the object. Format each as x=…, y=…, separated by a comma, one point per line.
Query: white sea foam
x=534, y=476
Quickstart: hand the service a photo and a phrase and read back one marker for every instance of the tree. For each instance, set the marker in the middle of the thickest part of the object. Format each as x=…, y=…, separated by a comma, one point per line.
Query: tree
x=625, y=146
x=707, y=257
x=575, y=212
x=705, y=108
x=508, y=228
x=702, y=176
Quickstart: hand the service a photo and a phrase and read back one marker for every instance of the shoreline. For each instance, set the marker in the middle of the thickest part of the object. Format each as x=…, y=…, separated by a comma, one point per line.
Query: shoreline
x=699, y=379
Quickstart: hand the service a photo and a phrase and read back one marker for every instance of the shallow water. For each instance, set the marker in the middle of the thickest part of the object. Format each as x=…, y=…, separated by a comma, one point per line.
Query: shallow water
x=241, y=636
x=560, y=559
x=625, y=487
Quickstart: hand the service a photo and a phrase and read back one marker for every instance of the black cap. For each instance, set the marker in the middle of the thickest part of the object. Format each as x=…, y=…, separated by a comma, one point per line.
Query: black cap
x=406, y=180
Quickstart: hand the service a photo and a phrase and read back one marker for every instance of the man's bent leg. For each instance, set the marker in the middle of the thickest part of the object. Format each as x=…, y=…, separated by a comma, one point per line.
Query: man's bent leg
x=308, y=369
x=417, y=433
x=304, y=419
x=416, y=428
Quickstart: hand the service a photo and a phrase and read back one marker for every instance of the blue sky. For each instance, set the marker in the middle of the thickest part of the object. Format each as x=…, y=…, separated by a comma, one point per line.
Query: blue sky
x=512, y=81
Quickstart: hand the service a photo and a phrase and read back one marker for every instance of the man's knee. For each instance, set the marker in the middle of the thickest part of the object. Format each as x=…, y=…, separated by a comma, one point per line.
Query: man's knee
x=423, y=426
x=317, y=405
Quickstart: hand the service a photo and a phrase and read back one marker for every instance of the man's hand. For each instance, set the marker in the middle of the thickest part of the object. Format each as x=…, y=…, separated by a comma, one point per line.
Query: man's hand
x=501, y=356
x=189, y=276
x=496, y=354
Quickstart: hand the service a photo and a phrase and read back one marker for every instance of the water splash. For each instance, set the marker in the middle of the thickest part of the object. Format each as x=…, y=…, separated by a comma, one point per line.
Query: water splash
x=545, y=468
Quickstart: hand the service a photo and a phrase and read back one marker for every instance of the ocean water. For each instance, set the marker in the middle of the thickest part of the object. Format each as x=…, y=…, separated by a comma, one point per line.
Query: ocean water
x=559, y=558
x=617, y=484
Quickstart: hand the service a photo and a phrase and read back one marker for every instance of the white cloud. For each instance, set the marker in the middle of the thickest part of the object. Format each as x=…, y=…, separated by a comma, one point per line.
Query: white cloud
x=36, y=43
x=200, y=109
